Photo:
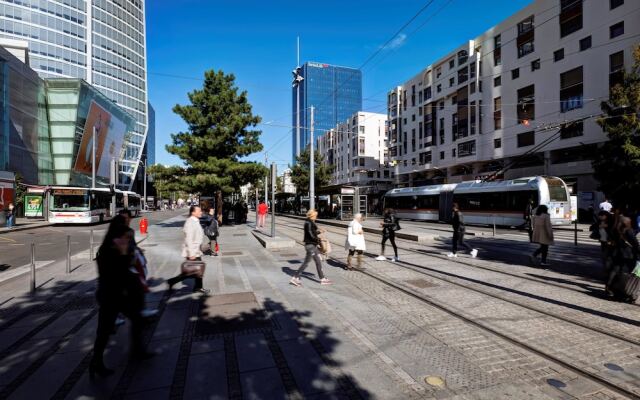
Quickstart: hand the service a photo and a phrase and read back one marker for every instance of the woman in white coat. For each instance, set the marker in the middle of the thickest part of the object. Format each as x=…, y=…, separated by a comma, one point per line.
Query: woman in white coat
x=355, y=241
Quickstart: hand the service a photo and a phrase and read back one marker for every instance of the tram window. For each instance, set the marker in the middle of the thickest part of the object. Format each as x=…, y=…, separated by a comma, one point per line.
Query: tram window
x=431, y=202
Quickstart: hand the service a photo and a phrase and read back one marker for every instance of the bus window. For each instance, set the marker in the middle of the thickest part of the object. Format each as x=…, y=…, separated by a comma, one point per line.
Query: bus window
x=69, y=202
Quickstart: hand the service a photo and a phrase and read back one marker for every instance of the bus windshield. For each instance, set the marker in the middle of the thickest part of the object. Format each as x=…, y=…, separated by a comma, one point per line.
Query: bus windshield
x=70, y=200
x=557, y=190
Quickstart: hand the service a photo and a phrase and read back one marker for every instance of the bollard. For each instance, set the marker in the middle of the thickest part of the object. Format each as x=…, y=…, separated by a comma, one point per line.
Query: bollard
x=32, y=280
x=91, y=246
x=575, y=232
x=68, y=254
x=494, y=224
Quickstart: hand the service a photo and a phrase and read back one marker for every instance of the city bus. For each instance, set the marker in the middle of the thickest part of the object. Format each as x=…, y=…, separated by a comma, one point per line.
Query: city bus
x=76, y=205
x=133, y=202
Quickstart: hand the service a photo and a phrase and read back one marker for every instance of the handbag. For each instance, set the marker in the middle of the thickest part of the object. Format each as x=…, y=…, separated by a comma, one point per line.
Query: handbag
x=193, y=268
x=396, y=226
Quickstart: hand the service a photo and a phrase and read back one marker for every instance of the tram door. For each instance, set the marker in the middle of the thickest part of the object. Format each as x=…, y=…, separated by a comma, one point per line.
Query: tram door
x=446, y=202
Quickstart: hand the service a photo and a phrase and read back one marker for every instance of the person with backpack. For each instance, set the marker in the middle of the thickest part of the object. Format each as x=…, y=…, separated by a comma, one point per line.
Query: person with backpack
x=311, y=242
x=390, y=225
x=542, y=234
x=457, y=222
x=355, y=241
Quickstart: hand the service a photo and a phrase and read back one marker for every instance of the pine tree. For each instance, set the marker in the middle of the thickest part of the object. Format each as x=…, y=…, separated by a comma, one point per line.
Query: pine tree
x=220, y=132
x=300, y=172
x=617, y=164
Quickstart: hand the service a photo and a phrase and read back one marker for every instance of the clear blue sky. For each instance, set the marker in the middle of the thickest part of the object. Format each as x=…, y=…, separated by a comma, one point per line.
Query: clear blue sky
x=256, y=41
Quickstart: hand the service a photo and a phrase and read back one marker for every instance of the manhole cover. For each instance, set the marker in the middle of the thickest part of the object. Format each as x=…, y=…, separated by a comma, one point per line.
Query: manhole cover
x=231, y=312
x=614, y=367
x=434, y=381
x=556, y=383
x=420, y=283
x=239, y=234
x=232, y=253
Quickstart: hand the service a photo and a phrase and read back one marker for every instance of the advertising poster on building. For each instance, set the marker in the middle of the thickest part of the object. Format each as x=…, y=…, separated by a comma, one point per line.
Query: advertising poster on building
x=112, y=146
x=32, y=206
x=99, y=118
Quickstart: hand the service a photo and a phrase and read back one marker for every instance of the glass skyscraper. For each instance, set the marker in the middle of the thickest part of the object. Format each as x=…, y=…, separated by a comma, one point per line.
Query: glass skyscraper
x=100, y=41
x=334, y=92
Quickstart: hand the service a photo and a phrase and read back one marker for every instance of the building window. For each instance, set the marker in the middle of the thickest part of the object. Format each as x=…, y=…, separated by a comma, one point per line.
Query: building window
x=454, y=127
x=571, y=130
x=442, y=155
x=615, y=3
x=472, y=87
x=525, y=48
x=515, y=73
x=466, y=149
x=413, y=117
x=616, y=30
x=480, y=114
x=616, y=69
x=497, y=143
x=420, y=97
x=452, y=81
x=452, y=63
x=463, y=56
x=441, y=130
x=585, y=43
x=472, y=70
x=463, y=74
x=535, y=65
x=497, y=81
x=497, y=113
x=453, y=152
x=454, y=100
x=361, y=162
x=497, y=50
x=526, y=139
x=439, y=88
x=472, y=118
x=438, y=72
x=571, y=90
x=361, y=147
x=570, y=16
x=427, y=93
x=441, y=105
x=526, y=107
x=558, y=55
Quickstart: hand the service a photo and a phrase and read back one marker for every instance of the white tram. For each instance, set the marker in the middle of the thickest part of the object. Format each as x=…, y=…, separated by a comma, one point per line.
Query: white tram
x=499, y=202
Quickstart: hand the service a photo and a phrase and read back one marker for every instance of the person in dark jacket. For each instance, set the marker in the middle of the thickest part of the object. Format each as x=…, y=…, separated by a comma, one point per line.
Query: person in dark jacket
x=389, y=227
x=311, y=242
x=119, y=291
x=528, y=218
x=625, y=252
x=457, y=222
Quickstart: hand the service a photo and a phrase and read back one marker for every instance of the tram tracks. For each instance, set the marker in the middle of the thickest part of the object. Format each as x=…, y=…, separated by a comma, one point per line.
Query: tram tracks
x=577, y=366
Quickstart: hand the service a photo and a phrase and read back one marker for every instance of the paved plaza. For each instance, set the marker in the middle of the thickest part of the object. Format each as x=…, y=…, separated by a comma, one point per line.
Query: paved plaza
x=424, y=328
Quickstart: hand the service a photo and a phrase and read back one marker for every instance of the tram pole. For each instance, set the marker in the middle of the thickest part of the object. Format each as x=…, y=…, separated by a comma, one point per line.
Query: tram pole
x=32, y=277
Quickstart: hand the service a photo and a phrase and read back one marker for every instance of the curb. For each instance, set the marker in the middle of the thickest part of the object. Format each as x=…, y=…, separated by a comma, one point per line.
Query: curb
x=24, y=228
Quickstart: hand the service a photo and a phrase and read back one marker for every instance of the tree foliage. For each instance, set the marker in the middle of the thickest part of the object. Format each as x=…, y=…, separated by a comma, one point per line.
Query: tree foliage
x=617, y=164
x=220, y=132
x=300, y=172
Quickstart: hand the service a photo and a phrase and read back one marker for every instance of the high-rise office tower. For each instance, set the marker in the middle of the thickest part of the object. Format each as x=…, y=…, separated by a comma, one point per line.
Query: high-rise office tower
x=334, y=92
x=100, y=41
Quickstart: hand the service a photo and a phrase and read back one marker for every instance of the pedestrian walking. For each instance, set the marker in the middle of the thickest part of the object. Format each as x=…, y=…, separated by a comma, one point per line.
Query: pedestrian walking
x=625, y=256
x=212, y=232
x=606, y=205
x=528, y=218
x=542, y=234
x=263, y=209
x=10, y=216
x=355, y=242
x=311, y=242
x=604, y=235
x=191, y=248
x=389, y=225
x=119, y=291
x=457, y=222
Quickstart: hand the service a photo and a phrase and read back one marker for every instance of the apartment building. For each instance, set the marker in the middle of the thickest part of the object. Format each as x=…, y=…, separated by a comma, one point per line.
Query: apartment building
x=356, y=148
x=519, y=100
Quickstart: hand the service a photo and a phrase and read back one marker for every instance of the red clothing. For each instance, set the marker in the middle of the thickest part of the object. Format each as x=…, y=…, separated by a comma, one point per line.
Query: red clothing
x=262, y=209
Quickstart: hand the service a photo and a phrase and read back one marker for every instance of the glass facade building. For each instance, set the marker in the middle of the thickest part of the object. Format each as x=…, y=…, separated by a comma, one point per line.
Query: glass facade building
x=100, y=41
x=151, y=137
x=25, y=145
x=334, y=92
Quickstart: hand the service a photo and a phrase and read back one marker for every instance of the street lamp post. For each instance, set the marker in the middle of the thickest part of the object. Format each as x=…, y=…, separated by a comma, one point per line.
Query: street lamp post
x=297, y=80
x=312, y=172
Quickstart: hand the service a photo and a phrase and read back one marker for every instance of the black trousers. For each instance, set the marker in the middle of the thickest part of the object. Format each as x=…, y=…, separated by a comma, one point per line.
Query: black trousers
x=390, y=236
x=544, y=250
x=458, y=240
x=182, y=277
x=129, y=304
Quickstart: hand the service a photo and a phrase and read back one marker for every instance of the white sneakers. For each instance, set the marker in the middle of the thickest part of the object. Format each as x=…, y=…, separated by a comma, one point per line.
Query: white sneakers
x=451, y=255
x=381, y=258
x=295, y=281
x=474, y=253
x=395, y=259
x=325, y=281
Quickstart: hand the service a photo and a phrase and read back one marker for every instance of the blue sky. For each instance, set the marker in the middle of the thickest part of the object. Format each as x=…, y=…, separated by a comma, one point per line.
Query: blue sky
x=256, y=41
